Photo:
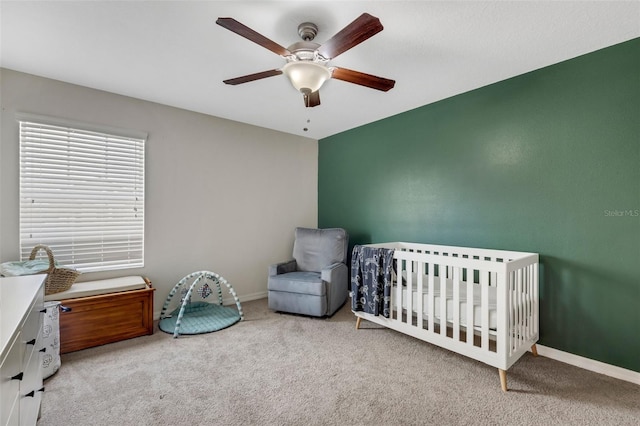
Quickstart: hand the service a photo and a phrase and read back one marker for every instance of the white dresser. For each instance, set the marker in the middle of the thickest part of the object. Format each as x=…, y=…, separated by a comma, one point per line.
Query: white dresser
x=21, y=314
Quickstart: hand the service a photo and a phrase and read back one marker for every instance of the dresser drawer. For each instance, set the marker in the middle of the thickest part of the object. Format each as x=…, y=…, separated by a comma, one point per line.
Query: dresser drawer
x=9, y=389
x=32, y=325
x=31, y=389
x=21, y=303
x=31, y=339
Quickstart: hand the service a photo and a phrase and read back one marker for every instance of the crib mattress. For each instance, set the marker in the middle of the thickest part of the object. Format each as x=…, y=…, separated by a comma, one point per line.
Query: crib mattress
x=477, y=310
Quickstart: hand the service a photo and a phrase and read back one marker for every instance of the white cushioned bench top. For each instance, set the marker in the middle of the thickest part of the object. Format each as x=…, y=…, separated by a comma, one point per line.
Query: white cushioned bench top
x=95, y=288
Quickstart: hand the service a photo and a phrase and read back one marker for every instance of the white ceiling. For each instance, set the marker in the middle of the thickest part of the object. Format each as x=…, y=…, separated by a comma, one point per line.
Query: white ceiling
x=173, y=53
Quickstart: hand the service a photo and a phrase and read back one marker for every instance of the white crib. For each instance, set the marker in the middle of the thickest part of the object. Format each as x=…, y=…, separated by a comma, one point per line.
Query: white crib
x=503, y=288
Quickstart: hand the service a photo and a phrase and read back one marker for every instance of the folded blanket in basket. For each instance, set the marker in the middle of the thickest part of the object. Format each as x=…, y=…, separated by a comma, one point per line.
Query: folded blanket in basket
x=27, y=267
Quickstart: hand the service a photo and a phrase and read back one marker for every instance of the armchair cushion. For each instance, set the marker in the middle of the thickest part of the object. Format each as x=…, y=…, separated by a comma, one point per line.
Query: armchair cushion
x=315, y=249
x=303, y=282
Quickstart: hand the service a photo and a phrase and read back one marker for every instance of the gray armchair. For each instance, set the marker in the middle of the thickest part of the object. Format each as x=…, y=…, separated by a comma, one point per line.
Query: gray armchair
x=315, y=281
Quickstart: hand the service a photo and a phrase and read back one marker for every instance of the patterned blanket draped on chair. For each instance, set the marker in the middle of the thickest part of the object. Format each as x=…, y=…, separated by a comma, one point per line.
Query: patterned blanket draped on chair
x=371, y=275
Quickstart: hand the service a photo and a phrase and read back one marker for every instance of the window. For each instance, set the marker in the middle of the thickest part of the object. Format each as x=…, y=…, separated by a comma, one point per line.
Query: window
x=82, y=194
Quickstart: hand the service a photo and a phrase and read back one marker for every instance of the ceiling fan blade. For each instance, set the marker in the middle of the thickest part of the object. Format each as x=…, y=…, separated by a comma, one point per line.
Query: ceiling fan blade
x=311, y=99
x=363, y=79
x=364, y=27
x=246, y=32
x=252, y=77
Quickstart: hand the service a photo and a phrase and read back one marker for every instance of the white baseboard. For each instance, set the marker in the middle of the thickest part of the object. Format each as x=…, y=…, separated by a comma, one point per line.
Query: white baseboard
x=229, y=301
x=590, y=364
x=249, y=297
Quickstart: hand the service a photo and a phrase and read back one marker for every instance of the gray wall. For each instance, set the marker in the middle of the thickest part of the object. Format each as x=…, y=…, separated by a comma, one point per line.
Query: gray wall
x=220, y=195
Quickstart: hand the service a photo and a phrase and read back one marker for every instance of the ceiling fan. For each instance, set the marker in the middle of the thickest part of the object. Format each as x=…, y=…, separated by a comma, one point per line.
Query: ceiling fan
x=307, y=62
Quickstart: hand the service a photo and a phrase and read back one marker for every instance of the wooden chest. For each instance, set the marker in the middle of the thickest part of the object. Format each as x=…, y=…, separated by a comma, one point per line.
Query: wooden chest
x=105, y=318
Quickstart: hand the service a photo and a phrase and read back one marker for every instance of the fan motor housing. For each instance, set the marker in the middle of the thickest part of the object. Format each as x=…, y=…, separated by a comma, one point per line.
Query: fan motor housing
x=304, y=50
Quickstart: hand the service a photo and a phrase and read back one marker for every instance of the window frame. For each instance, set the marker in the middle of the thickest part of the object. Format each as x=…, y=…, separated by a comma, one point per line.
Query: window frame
x=93, y=156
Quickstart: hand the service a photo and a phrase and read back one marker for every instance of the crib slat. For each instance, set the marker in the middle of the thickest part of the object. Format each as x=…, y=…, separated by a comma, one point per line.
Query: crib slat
x=511, y=323
x=519, y=337
x=400, y=263
x=484, y=306
x=456, y=303
x=511, y=314
x=470, y=308
x=530, y=302
x=392, y=295
x=409, y=292
x=442, y=276
x=516, y=312
x=527, y=306
x=430, y=305
x=419, y=295
x=535, y=296
x=530, y=296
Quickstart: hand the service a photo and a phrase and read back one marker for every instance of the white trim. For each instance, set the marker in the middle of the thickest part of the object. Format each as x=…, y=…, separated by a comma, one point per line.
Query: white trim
x=64, y=122
x=590, y=364
x=81, y=194
x=247, y=297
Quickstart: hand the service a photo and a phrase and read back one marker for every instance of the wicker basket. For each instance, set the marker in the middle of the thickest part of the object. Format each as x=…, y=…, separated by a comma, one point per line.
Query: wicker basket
x=58, y=279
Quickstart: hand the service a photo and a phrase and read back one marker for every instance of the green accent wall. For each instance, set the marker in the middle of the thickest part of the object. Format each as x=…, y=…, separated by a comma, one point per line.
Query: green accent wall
x=546, y=162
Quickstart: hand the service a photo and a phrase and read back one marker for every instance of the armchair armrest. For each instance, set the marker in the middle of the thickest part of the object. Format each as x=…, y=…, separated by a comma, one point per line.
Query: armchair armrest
x=332, y=272
x=336, y=277
x=283, y=267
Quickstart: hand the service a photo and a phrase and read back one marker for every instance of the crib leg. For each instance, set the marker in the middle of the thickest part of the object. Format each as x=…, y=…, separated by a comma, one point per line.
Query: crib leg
x=534, y=350
x=358, y=319
x=503, y=379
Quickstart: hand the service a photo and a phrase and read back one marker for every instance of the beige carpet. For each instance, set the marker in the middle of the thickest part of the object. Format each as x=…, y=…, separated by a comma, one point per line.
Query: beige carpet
x=290, y=370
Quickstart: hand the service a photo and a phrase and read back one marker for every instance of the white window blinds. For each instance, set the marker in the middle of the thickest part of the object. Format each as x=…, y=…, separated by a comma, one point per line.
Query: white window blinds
x=82, y=194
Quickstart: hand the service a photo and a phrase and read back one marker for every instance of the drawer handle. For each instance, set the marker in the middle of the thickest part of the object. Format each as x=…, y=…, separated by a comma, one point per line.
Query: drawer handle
x=43, y=350
x=65, y=308
x=33, y=393
x=31, y=342
x=18, y=376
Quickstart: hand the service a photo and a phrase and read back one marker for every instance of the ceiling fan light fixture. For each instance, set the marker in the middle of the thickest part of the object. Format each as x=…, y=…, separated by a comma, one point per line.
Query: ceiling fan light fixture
x=307, y=61
x=306, y=76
